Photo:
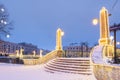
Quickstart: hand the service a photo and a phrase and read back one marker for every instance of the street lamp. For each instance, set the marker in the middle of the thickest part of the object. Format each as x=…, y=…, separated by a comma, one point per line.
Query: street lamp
x=118, y=43
x=2, y=21
x=8, y=36
x=5, y=22
x=111, y=37
x=62, y=33
x=95, y=21
x=2, y=9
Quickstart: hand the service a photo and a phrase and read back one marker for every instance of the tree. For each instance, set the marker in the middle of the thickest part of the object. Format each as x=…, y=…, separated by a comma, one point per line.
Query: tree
x=84, y=45
x=5, y=24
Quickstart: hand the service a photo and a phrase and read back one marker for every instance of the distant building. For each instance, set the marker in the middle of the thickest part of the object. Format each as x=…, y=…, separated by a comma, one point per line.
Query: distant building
x=10, y=48
x=29, y=48
x=77, y=51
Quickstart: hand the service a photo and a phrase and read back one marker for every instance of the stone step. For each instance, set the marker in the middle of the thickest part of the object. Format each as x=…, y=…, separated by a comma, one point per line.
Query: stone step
x=73, y=59
x=69, y=65
x=53, y=70
x=69, y=68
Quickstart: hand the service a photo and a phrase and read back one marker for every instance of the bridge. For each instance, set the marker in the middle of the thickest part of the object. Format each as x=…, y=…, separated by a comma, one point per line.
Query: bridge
x=96, y=65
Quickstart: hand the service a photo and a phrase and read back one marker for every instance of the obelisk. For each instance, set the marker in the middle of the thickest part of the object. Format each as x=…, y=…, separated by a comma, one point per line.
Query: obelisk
x=21, y=53
x=59, y=35
x=41, y=53
x=17, y=53
x=104, y=27
x=34, y=53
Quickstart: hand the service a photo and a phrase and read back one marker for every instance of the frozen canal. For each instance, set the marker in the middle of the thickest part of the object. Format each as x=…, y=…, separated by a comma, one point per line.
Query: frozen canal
x=22, y=72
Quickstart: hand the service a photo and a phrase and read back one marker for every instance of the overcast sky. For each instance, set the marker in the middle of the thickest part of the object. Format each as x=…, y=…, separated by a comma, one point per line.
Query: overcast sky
x=36, y=21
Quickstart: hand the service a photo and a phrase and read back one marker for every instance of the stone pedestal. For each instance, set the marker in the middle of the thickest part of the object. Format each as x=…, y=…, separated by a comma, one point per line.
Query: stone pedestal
x=108, y=51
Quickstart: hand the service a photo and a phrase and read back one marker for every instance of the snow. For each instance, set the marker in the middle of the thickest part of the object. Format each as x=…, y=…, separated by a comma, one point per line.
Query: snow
x=97, y=55
x=77, y=58
x=36, y=72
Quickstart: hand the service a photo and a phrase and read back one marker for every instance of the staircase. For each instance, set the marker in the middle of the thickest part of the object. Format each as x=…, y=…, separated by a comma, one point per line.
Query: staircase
x=69, y=65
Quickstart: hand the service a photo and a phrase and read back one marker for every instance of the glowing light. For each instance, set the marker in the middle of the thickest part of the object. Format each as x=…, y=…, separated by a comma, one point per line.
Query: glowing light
x=118, y=43
x=2, y=9
x=95, y=21
x=5, y=22
x=8, y=36
x=62, y=33
x=111, y=37
x=2, y=21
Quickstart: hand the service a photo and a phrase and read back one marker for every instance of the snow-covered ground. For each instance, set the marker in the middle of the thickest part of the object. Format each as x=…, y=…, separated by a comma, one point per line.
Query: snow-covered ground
x=36, y=72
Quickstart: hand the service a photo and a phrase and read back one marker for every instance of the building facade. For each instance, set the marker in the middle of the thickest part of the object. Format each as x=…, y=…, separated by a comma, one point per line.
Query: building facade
x=10, y=48
x=77, y=51
x=29, y=48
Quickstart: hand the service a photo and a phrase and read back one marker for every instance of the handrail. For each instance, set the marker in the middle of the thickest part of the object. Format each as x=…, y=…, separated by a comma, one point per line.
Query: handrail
x=53, y=54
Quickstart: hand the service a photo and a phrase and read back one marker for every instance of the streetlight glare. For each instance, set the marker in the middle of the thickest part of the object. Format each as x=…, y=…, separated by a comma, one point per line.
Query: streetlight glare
x=111, y=37
x=2, y=21
x=62, y=33
x=95, y=21
x=5, y=22
x=118, y=43
x=8, y=36
x=2, y=9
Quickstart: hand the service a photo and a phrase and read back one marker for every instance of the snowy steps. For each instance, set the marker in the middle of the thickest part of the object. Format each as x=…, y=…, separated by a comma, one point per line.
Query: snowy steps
x=69, y=65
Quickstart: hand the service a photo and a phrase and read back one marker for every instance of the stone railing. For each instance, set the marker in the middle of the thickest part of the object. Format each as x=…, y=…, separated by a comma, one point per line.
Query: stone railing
x=33, y=60
x=24, y=56
x=51, y=55
x=30, y=61
x=106, y=72
x=101, y=69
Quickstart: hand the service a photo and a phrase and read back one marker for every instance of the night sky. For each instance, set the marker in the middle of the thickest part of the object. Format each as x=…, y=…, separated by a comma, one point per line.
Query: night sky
x=36, y=21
